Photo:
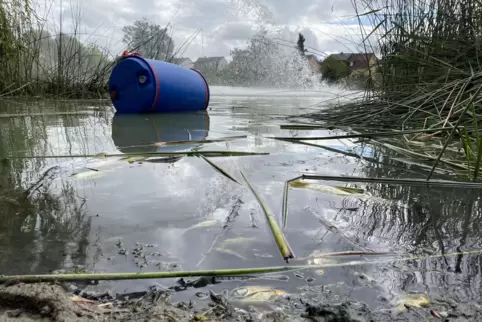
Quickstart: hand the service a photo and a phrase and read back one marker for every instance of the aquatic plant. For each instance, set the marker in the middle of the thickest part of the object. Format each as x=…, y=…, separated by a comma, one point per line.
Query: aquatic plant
x=428, y=75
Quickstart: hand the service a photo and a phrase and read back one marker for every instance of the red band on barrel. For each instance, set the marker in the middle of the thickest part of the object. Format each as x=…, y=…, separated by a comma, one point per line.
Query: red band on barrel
x=206, y=85
x=158, y=87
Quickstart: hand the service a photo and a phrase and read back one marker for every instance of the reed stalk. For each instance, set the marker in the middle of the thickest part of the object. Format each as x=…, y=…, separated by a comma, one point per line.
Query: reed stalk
x=219, y=272
x=284, y=204
x=362, y=135
x=219, y=169
x=429, y=73
x=149, y=154
x=410, y=182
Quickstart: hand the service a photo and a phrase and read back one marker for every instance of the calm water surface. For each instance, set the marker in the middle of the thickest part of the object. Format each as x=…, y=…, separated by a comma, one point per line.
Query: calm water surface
x=92, y=214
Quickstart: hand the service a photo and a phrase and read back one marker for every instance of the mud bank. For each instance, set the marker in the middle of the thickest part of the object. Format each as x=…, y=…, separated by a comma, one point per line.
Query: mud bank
x=49, y=302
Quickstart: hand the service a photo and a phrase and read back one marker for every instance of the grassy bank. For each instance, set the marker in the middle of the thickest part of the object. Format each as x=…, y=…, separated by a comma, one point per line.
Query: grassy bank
x=430, y=76
x=36, y=62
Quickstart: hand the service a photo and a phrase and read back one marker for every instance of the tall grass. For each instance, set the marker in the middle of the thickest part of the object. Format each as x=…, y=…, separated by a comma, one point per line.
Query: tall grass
x=37, y=62
x=430, y=73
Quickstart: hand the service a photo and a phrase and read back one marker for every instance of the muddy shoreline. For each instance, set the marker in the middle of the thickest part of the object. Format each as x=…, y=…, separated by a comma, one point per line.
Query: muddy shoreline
x=53, y=302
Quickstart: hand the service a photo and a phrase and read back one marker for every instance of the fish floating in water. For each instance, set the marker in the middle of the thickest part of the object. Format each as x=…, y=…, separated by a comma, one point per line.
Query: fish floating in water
x=256, y=294
x=412, y=300
x=88, y=174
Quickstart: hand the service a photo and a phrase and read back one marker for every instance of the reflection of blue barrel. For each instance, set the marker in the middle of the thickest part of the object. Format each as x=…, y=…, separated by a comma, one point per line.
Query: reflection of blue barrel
x=139, y=85
x=138, y=133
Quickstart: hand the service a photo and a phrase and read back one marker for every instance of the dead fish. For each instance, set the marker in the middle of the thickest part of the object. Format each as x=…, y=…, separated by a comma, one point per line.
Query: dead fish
x=256, y=294
x=413, y=300
x=341, y=191
x=321, y=261
x=89, y=174
x=319, y=258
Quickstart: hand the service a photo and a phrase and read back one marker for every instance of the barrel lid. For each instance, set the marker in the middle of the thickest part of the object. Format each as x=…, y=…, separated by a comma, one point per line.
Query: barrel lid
x=132, y=86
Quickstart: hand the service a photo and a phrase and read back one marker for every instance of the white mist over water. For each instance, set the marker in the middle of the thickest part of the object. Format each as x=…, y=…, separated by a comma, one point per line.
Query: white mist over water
x=272, y=58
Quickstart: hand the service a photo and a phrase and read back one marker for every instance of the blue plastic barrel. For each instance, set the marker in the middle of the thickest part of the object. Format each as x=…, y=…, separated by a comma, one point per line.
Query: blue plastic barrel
x=140, y=85
x=138, y=133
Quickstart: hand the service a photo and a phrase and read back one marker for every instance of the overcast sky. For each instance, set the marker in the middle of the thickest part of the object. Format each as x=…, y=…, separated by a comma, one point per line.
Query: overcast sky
x=327, y=25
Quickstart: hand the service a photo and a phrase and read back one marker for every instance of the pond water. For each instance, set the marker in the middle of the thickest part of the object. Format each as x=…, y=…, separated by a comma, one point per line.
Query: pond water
x=110, y=215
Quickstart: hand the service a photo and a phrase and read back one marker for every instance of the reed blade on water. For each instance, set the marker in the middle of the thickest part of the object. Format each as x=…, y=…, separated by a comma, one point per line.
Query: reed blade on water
x=186, y=142
x=106, y=155
x=219, y=169
x=410, y=182
x=363, y=135
x=284, y=204
x=200, y=273
x=278, y=235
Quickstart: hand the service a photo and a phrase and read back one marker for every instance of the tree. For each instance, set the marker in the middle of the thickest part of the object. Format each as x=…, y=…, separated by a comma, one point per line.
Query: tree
x=333, y=69
x=149, y=40
x=301, y=44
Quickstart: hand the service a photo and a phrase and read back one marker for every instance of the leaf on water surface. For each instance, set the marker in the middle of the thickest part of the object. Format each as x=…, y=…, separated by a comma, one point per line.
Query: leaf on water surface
x=218, y=169
x=256, y=294
x=206, y=224
x=413, y=300
x=167, y=143
x=164, y=160
x=230, y=252
x=245, y=241
x=337, y=190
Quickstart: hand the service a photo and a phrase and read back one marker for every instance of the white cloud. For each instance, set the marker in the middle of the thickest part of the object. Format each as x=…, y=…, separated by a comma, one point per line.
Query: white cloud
x=221, y=24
